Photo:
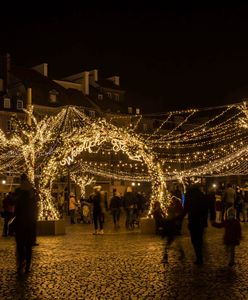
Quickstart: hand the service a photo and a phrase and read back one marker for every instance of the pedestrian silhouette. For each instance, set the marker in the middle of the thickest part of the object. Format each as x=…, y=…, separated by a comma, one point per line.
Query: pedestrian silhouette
x=25, y=218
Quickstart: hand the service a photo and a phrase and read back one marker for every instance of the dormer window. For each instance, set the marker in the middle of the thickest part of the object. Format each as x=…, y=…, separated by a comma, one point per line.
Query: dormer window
x=137, y=111
x=53, y=96
x=19, y=104
x=6, y=102
x=117, y=97
x=92, y=113
x=130, y=110
x=100, y=96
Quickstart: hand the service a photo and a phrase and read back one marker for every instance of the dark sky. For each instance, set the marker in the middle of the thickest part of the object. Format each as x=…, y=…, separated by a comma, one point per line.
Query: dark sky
x=169, y=56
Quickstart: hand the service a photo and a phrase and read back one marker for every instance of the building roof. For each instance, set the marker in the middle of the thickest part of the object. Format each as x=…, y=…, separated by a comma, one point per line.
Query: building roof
x=42, y=86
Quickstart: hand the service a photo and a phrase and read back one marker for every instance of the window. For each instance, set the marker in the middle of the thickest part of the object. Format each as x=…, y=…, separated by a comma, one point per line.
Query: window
x=144, y=127
x=130, y=110
x=117, y=97
x=6, y=103
x=137, y=111
x=19, y=104
x=53, y=96
x=109, y=94
x=92, y=113
x=100, y=96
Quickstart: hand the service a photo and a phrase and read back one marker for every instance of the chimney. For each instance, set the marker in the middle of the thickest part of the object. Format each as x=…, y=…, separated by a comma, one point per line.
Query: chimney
x=4, y=72
x=115, y=80
x=93, y=76
x=42, y=69
x=85, y=83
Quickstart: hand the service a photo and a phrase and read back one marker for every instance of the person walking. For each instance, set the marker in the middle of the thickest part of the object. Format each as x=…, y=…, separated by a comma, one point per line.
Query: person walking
x=172, y=228
x=232, y=235
x=196, y=207
x=25, y=220
x=129, y=202
x=115, y=207
x=8, y=213
x=98, y=209
x=72, y=207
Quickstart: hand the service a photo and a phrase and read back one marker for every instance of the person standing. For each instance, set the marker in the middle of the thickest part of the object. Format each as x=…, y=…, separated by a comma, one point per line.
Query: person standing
x=98, y=209
x=196, y=206
x=72, y=207
x=115, y=207
x=8, y=212
x=229, y=197
x=25, y=219
x=245, y=203
x=129, y=201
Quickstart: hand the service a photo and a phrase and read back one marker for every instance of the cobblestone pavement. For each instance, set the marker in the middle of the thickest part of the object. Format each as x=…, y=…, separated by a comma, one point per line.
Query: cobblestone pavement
x=122, y=265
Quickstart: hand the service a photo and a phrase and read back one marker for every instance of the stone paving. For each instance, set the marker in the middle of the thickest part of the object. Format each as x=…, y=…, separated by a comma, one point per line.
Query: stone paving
x=122, y=265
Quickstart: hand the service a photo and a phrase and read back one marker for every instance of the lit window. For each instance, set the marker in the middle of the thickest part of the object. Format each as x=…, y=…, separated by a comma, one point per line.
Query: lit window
x=137, y=111
x=130, y=110
x=53, y=96
x=6, y=103
x=19, y=104
x=109, y=94
x=100, y=96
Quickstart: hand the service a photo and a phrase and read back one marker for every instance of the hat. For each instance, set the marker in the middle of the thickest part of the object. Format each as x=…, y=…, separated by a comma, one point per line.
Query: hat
x=97, y=187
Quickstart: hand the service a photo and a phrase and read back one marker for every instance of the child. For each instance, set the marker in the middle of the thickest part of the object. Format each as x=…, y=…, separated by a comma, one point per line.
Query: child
x=232, y=233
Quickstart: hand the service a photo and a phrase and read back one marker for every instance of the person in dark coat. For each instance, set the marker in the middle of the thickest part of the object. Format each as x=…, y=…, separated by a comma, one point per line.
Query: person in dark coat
x=129, y=202
x=115, y=207
x=25, y=221
x=196, y=206
x=98, y=209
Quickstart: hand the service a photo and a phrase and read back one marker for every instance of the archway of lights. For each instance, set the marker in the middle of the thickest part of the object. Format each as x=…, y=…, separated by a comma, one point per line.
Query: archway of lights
x=46, y=147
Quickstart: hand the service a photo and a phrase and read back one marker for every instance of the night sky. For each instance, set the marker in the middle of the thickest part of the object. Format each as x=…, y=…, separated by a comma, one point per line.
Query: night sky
x=168, y=56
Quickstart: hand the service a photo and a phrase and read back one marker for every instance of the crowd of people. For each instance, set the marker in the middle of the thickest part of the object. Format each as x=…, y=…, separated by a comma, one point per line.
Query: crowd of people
x=222, y=207
x=93, y=210
x=200, y=208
